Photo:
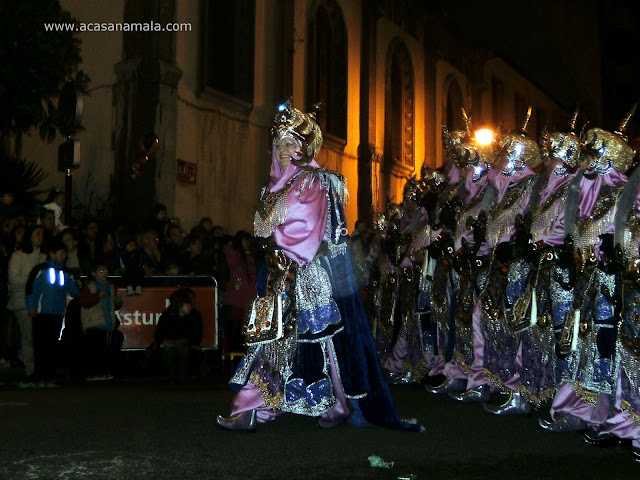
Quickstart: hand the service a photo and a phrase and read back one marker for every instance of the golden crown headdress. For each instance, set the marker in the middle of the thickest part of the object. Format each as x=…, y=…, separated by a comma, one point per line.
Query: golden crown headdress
x=289, y=121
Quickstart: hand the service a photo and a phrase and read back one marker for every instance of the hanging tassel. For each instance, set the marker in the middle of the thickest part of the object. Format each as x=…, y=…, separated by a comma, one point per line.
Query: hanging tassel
x=425, y=264
x=576, y=326
x=534, y=307
x=432, y=267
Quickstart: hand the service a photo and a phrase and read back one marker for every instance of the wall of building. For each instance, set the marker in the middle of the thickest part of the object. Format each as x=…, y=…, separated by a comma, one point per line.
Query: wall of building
x=229, y=140
x=387, y=32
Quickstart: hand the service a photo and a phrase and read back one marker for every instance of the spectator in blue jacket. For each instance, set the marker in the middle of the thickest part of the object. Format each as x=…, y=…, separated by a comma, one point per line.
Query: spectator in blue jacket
x=46, y=295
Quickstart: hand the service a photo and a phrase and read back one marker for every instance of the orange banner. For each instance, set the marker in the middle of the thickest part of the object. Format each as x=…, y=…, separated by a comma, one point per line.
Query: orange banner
x=139, y=315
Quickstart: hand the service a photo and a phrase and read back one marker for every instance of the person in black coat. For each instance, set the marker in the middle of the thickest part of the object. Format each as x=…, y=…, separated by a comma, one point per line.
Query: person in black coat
x=179, y=332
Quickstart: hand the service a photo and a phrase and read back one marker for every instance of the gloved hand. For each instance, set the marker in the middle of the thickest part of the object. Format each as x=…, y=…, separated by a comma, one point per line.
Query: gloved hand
x=441, y=247
x=479, y=226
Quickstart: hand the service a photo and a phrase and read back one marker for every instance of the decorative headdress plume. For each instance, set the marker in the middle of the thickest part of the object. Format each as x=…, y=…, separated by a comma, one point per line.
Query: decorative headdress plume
x=625, y=122
x=467, y=121
x=523, y=130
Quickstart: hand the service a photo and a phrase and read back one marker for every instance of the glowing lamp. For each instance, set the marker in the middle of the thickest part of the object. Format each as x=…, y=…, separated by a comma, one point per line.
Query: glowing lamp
x=484, y=136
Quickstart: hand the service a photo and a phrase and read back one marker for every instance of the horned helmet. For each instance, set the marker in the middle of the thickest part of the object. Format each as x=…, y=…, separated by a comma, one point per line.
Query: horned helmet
x=518, y=150
x=563, y=148
x=606, y=150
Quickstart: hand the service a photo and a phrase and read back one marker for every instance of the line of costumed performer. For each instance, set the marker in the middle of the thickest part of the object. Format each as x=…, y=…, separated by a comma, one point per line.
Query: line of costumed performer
x=310, y=348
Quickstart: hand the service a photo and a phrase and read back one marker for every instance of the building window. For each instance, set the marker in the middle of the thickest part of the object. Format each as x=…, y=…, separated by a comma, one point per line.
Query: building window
x=228, y=56
x=327, y=67
x=497, y=101
x=521, y=107
x=399, y=103
x=543, y=119
x=453, y=119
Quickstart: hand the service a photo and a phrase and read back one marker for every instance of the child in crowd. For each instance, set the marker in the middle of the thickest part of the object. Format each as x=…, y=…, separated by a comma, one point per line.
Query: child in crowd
x=102, y=339
x=55, y=203
x=46, y=296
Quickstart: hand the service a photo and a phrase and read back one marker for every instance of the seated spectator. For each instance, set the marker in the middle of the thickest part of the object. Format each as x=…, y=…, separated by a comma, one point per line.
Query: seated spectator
x=207, y=224
x=102, y=339
x=172, y=269
x=174, y=246
x=150, y=256
x=159, y=222
x=131, y=266
x=194, y=262
x=217, y=231
x=240, y=290
x=89, y=245
x=70, y=240
x=47, y=220
x=177, y=332
x=109, y=254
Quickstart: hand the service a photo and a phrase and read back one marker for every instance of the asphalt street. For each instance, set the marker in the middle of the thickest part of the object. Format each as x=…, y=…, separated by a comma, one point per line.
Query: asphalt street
x=154, y=429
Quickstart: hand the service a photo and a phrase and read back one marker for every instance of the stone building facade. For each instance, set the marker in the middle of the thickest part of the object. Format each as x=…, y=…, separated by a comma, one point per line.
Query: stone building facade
x=388, y=73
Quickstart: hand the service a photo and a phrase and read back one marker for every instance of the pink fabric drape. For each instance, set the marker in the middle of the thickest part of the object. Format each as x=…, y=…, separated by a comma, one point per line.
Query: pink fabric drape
x=303, y=230
x=476, y=376
x=567, y=402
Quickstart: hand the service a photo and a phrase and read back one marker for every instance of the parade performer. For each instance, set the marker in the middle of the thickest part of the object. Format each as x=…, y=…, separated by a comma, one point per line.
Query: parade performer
x=508, y=274
x=470, y=266
x=440, y=251
x=310, y=349
x=406, y=361
x=546, y=300
x=623, y=422
x=387, y=283
x=587, y=341
x=624, y=418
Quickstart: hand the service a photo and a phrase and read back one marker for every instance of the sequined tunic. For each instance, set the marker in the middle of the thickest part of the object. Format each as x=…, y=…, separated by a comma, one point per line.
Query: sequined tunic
x=280, y=369
x=506, y=283
x=589, y=370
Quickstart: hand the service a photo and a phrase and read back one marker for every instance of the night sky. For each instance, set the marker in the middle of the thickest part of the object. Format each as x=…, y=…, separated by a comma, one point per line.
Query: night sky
x=579, y=52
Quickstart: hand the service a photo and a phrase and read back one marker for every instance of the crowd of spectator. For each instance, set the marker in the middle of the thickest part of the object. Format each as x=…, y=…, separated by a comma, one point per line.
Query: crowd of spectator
x=95, y=250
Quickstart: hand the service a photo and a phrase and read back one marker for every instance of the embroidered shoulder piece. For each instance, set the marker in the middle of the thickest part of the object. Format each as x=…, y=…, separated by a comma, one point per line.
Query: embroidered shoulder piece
x=631, y=239
x=603, y=214
x=502, y=216
x=545, y=215
x=273, y=208
x=446, y=197
x=329, y=180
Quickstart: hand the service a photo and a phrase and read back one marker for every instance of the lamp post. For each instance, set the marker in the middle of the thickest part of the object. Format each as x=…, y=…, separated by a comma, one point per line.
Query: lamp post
x=70, y=106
